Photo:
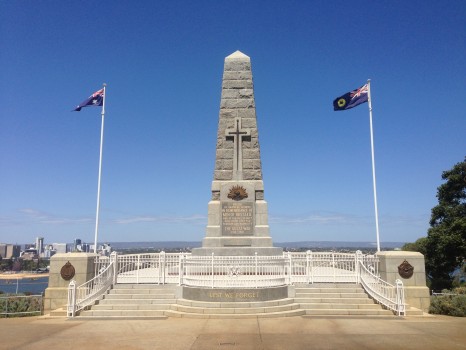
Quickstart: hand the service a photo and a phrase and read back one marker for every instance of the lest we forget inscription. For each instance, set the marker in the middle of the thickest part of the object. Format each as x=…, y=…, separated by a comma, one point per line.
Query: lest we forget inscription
x=237, y=219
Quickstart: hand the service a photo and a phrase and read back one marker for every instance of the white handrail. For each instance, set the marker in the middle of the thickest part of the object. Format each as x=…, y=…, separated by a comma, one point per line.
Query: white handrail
x=87, y=293
x=260, y=271
x=390, y=296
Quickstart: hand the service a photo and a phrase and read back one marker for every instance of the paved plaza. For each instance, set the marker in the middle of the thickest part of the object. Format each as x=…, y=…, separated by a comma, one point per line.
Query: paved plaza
x=432, y=332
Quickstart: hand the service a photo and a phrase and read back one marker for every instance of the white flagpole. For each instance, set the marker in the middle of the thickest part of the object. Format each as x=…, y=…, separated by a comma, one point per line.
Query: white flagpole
x=373, y=164
x=100, y=172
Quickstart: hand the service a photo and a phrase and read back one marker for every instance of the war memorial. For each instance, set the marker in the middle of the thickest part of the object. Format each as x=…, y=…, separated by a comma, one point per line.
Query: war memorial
x=237, y=273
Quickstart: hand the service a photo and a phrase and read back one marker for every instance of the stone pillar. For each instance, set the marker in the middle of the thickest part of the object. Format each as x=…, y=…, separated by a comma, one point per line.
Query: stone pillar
x=409, y=267
x=56, y=294
x=237, y=213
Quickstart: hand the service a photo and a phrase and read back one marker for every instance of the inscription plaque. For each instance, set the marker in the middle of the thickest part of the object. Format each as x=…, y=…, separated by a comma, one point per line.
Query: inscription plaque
x=237, y=219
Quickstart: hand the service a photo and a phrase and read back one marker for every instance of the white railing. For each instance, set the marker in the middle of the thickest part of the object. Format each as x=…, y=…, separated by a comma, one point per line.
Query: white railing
x=390, y=296
x=244, y=272
x=158, y=268
x=324, y=267
x=232, y=271
x=87, y=293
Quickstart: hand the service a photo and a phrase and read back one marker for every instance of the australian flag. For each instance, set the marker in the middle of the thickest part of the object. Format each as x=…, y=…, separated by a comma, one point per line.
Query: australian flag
x=351, y=99
x=96, y=99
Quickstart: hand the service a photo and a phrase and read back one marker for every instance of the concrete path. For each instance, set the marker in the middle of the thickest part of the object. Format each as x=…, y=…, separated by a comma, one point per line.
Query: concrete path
x=434, y=332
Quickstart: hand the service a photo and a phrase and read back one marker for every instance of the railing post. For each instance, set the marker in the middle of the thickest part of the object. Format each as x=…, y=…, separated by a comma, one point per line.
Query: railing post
x=255, y=255
x=333, y=267
x=290, y=268
x=212, y=269
x=137, y=270
x=400, y=299
x=163, y=265
x=71, y=307
x=180, y=269
x=114, y=260
x=357, y=267
x=308, y=272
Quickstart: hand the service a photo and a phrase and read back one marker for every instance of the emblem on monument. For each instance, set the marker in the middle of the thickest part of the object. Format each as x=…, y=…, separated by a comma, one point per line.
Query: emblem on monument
x=67, y=271
x=406, y=270
x=237, y=193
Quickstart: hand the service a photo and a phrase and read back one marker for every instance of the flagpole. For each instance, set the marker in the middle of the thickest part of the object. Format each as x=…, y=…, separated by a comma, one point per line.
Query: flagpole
x=100, y=172
x=373, y=164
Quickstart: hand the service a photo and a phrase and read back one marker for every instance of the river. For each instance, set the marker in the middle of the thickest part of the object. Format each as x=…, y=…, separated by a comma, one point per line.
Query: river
x=34, y=285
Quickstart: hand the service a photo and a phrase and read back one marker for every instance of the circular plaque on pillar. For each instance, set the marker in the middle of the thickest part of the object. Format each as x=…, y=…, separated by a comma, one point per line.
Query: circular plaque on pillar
x=67, y=271
x=406, y=270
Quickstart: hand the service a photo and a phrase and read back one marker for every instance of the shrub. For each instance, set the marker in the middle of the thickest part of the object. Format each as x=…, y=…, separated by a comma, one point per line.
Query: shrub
x=452, y=303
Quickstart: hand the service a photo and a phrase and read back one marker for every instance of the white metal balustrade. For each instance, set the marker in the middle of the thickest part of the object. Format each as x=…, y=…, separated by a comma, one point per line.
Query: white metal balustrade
x=87, y=293
x=238, y=272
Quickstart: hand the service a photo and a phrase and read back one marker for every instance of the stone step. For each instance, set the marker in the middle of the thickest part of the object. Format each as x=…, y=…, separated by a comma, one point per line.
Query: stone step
x=136, y=301
x=314, y=306
x=61, y=312
x=207, y=304
x=122, y=307
x=140, y=291
x=289, y=313
x=330, y=290
x=364, y=300
x=120, y=318
x=237, y=310
x=143, y=286
x=330, y=295
x=349, y=312
x=412, y=311
x=122, y=313
x=139, y=296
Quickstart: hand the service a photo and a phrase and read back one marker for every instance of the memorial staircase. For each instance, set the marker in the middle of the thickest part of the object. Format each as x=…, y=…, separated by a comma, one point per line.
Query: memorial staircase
x=144, y=301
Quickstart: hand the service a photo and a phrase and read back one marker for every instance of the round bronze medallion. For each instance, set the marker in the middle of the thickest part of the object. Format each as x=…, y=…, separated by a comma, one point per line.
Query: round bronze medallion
x=406, y=270
x=67, y=271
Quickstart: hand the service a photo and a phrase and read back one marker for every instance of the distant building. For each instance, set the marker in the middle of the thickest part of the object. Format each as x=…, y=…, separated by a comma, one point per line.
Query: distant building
x=39, y=245
x=49, y=251
x=77, y=244
x=105, y=249
x=13, y=251
x=86, y=248
x=3, y=250
x=60, y=247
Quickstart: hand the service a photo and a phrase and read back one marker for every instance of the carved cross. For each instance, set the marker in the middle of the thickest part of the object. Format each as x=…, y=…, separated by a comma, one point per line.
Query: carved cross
x=237, y=133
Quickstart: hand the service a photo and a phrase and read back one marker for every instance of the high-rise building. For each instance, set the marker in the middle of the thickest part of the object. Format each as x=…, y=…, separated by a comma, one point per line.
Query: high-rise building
x=77, y=244
x=60, y=247
x=3, y=250
x=8, y=251
x=40, y=245
x=13, y=251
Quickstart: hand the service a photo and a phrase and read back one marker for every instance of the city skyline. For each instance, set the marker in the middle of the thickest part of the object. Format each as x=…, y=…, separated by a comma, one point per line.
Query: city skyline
x=163, y=67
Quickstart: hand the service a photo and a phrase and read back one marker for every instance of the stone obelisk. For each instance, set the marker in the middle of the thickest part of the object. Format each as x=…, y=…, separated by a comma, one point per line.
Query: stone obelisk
x=237, y=213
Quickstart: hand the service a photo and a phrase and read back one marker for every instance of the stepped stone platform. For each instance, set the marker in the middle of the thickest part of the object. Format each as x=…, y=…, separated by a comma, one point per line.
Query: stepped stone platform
x=144, y=301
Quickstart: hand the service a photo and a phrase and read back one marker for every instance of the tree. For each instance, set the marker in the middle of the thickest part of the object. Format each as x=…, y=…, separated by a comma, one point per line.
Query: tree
x=418, y=246
x=446, y=238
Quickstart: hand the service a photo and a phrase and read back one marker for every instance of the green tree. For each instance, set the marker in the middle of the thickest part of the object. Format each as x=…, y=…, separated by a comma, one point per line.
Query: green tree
x=446, y=238
x=418, y=246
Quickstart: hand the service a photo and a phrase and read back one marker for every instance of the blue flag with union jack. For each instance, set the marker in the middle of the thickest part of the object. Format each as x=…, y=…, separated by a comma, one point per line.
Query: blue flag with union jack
x=96, y=99
x=351, y=99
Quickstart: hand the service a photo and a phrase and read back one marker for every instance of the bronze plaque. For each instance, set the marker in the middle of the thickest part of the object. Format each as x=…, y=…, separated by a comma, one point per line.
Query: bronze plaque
x=67, y=271
x=237, y=218
x=406, y=270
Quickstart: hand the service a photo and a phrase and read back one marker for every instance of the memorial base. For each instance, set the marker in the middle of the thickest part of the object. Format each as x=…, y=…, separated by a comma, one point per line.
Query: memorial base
x=234, y=295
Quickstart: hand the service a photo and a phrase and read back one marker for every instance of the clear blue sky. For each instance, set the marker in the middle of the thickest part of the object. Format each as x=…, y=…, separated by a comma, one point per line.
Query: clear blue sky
x=163, y=63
